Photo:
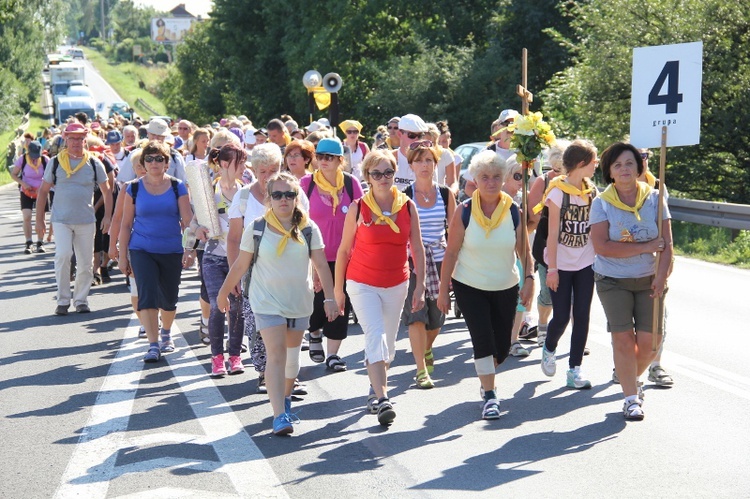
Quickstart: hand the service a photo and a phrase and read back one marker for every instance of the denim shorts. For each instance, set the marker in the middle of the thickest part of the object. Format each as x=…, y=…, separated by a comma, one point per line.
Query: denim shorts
x=264, y=321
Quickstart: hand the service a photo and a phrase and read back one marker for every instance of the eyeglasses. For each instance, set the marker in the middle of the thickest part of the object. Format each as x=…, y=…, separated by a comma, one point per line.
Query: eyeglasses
x=645, y=156
x=506, y=123
x=376, y=175
x=294, y=156
x=156, y=159
x=277, y=195
x=518, y=176
x=393, y=127
x=352, y=132
x=413, y=135
x=325, y=157
x=420, y=143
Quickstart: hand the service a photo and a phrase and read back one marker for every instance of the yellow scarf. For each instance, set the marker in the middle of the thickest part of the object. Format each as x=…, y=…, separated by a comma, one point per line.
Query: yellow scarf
x=30, y=162
x=567, y=188
x=399, y=200
x=333, y=190
x=64, y=159
x=650, y=179
x=488, y=224
x=610, y=196
x=274, y=222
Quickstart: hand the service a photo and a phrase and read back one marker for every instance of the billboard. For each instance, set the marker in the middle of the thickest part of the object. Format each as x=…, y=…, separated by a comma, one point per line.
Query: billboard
x=170, y=29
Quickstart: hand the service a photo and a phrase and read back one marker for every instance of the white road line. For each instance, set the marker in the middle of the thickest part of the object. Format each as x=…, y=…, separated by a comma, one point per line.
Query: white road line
x=696, y=370
x=92, y=465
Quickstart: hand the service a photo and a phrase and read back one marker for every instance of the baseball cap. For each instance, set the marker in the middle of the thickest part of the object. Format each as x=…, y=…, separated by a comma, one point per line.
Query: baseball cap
x=313, y=127
x=324, y=122
x=34, y=149
x=239, y=134
x=113, y=137
x=412, y=123
x=261, y=131
x=250, y=135
x=330, y=146
x=508, y=114
x=158, y=126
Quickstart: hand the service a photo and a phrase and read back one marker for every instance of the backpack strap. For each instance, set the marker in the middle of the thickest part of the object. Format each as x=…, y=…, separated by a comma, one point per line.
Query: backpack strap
x=466, y=214
x=515, y=213
x=134, y=188
x=175, y=183
x=348, y=185
x=409, y=191
x=307, y=232
x=444, y=193
x=259, y=227
x=310, y=186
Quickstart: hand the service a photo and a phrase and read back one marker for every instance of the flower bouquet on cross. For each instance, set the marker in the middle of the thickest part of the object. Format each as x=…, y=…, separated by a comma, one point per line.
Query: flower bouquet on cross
x=530, y=134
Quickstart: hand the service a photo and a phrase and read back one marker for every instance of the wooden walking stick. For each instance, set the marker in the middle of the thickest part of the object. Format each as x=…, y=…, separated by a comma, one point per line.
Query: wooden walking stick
x=658, y=318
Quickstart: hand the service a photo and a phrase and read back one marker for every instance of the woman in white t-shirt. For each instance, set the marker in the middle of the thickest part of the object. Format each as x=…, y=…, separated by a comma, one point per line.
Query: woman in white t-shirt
x=281, y=288
x=199, y=150
x=569, y=257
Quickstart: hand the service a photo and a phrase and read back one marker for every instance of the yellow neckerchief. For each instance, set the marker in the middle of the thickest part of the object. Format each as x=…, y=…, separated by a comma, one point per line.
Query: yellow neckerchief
x=650, y=179
x=610, y=195
x=333, y=190
x=559, y=182
x=274, y=222
x=30, y=162
x=399, y=200
x=488, y=224
x=64, y=159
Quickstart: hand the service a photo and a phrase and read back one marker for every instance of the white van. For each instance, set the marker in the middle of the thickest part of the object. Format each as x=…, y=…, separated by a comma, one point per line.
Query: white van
x=68, y=106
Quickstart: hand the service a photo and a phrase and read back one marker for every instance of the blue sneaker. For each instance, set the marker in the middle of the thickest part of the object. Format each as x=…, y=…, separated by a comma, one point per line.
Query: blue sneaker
x=288, y=405
x=282, y=425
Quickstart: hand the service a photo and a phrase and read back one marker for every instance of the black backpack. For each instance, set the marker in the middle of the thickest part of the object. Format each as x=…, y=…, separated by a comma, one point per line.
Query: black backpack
x=44, y=165
x=348, y=185
x=515, y=213
x=56, y=164
x=444, y=193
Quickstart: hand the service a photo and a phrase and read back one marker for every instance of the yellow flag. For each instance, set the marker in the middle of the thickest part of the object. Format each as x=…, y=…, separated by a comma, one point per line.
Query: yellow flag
x=322, y=98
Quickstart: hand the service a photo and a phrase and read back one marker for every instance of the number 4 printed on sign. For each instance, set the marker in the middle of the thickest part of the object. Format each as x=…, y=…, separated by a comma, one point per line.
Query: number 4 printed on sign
x=671, y=74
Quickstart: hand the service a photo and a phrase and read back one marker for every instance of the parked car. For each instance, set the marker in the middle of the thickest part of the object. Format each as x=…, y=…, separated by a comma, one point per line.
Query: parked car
x=467, y=151
x=121, y=108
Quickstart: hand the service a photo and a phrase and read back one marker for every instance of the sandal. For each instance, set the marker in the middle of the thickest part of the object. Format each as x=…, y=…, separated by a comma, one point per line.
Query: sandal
x=203, y=334
x=299, y=388
x=633, y=410
x=423, y=380
x=316, y=352
x=658, y=376
x=429, y=361
x=334, y=363
x=153, y=355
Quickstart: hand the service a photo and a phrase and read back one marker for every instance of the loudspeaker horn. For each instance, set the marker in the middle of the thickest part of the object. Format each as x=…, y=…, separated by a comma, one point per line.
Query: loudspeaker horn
x=332, y=82
x=311, y=79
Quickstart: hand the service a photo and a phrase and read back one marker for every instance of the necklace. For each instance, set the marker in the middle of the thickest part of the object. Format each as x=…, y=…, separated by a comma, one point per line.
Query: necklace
x=426, y=196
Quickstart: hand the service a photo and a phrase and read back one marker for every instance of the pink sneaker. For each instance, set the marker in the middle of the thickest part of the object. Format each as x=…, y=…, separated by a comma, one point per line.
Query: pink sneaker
x=217, y=366
x=235, y=365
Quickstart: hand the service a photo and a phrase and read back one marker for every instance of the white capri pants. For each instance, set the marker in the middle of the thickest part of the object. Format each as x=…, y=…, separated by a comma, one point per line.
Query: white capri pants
x=379, y=314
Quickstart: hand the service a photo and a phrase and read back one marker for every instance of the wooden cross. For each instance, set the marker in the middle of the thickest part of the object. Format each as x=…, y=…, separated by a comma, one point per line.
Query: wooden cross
x=521, y=90
x=526, y=97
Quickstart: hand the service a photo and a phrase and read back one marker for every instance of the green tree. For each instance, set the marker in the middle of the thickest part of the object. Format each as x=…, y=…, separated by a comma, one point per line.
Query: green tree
x=592, y=97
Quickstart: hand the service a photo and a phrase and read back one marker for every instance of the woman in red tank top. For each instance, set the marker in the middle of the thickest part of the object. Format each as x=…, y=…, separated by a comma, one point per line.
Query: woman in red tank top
x=372, y=262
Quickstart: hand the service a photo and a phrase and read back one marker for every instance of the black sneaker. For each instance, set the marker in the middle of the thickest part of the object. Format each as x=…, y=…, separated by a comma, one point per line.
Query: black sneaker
x=62, y=310
x=27, y=250
x=526, y=332
x=105, y=275
x=40, y=247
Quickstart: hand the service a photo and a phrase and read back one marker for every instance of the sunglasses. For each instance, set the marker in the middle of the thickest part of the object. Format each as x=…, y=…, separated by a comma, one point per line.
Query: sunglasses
x=277, y=195
x=326, y=157
x=376, y=175
x=506, y=123
x=152, y=159
x=413, y=135
x=518, y=176
x=645, y=155
x=352, y=132
x=420, y=143
x=393, y=127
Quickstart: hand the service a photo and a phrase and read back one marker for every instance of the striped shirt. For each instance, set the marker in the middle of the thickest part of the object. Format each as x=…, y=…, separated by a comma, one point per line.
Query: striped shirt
x=432, y=225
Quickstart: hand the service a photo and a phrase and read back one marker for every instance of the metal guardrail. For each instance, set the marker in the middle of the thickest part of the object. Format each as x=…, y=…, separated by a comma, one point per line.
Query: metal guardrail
x=144, y=104
x=728, y=215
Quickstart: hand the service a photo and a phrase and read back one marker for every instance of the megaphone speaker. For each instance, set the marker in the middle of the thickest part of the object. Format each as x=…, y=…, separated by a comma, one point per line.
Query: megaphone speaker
x=332, y=82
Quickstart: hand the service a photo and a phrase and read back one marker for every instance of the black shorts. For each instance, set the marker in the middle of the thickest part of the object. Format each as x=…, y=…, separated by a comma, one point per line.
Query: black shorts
x=338, y=329
x=28, y=203
x=158, y=279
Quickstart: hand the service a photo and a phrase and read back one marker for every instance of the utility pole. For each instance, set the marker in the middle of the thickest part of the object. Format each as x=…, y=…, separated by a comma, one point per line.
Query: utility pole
x=102, y=33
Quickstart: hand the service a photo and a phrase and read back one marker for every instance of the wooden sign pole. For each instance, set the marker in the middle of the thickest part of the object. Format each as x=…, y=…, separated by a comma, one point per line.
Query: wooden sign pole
x=657, y=323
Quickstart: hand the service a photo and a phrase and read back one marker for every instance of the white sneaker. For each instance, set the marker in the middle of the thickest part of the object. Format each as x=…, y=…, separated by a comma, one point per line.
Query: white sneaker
x=516, y=350
x=576, y=381
x=541, y=338
x=548, y=362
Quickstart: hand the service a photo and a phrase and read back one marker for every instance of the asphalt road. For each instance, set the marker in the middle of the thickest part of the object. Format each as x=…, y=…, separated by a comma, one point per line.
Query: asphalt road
x=82, y=416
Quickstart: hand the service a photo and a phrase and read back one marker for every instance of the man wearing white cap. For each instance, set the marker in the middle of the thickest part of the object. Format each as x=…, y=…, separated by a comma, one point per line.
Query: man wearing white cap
x=158, y=129
x=411, y=128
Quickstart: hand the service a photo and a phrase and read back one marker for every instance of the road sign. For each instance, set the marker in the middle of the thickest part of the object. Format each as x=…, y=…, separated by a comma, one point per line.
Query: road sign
x=666, y=91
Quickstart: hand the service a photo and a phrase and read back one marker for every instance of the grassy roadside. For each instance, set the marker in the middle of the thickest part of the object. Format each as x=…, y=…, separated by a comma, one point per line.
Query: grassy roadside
x=711, y=244
x=124, y=79
x=37, y=123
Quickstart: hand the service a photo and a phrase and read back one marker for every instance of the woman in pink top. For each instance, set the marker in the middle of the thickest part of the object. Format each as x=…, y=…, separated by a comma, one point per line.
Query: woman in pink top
x=372, y=262
x=331, y=192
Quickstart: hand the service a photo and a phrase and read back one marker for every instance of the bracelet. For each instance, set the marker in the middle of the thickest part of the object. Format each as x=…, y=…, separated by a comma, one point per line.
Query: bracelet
x=552, y=270
x=530, y=276
x=329, y=300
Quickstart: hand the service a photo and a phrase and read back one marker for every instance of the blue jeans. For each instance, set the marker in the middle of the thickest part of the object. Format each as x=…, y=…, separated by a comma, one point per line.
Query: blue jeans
x=576, y=289
x=215, y=270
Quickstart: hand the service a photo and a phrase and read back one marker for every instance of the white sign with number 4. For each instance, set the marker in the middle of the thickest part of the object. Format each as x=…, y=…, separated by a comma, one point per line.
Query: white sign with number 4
x=666, y=91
